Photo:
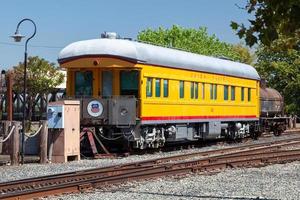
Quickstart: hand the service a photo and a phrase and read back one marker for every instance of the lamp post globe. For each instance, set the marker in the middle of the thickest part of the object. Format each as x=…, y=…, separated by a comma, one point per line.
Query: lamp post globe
x=17, y=38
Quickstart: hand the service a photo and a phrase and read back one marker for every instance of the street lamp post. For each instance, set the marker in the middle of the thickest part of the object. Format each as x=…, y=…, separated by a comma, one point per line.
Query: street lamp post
x=18, y=37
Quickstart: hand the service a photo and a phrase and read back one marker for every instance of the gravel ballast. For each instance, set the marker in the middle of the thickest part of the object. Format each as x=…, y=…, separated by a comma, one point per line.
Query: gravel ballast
x=272, y=182
x=9, y=173
x=280, y=181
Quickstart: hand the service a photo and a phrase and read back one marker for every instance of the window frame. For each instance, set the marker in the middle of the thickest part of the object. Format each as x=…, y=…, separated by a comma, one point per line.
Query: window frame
x=203, y=91
x=157, y=87
x=181, y=89
x=192, y=90
x=149, y=87
x=242, y=93
x=82, y=87
x=196, y=89
x=249, y=94
x=165, y=88
x=226, y=92
x=215, y=91
x=232, y=93
x=211, y=91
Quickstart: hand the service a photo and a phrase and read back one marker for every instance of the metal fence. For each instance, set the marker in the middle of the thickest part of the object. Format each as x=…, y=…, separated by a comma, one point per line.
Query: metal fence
x=39, y=105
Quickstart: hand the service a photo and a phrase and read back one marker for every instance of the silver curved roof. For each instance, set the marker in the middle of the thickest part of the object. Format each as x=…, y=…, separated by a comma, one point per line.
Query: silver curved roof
x=155, y=55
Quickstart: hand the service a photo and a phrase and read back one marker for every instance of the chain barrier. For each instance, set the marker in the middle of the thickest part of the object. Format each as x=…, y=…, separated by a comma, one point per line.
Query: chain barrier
x=101, y=144
x=111, y=139
x=34, y=134
x=8, y=136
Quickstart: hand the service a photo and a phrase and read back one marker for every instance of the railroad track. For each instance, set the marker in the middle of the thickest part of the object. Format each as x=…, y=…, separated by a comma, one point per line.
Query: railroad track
x=289, y=132
x=208, y=161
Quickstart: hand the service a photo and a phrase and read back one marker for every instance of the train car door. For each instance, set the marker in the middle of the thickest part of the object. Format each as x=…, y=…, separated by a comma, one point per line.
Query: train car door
x=107, y=83
x=129, y=83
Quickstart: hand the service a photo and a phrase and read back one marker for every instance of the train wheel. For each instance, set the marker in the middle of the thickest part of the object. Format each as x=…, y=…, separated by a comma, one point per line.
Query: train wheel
x=277, y=130
x=276, y=133
x=254, y=135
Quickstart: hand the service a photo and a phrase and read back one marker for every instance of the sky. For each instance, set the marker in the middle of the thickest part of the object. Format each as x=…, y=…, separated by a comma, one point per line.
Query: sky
x=61, y=22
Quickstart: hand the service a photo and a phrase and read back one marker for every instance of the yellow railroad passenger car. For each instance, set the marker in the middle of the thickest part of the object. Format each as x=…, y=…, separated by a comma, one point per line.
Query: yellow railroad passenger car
x=150, y=95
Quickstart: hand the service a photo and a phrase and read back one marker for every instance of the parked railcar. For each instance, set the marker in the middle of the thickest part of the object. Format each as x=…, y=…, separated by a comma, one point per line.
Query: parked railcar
x=151, y=95
x=272, y=117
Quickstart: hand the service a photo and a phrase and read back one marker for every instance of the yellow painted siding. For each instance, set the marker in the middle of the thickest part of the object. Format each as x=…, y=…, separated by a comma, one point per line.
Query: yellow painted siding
x=173, y=105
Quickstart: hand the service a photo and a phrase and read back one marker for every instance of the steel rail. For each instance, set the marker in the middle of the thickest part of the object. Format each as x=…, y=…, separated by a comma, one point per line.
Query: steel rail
x=25, y=185
x=218, y=151
x=152, y=162
x=128, y=169
x=119, y=169
x=286, y=133
x=201, y=165
x=162, y=170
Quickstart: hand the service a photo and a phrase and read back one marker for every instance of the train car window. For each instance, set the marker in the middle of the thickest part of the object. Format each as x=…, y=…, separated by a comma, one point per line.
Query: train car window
x=213, y=91
x=196, y=91
x=203, y=91
x=149, y=87
x=166, y=88
x=181, y=89
x=107, y=83
x=232, y=93
x=242, y=93
x=129, y=83
x=249, y=94
x=192, y=90
x=83, y=83
x=157, y=87
x=226, y=92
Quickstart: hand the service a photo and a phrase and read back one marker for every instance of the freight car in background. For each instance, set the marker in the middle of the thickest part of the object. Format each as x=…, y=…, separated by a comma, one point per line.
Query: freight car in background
x=272, y=117
x=146, y=96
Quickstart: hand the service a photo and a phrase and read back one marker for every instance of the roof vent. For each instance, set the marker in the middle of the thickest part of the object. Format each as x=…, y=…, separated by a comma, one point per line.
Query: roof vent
x=110, y=35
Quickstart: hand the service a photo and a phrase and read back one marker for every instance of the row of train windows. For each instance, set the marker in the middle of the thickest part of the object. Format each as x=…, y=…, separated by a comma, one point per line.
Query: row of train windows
x=157, y=87
x=194, y=90
x=213, y=91
x=243, y=89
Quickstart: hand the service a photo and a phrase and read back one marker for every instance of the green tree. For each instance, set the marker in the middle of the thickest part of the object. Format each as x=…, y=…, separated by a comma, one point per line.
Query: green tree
x=245, y=54
x=282, y=71
x=192, y=40
x=276, y=24
x=42, y=78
